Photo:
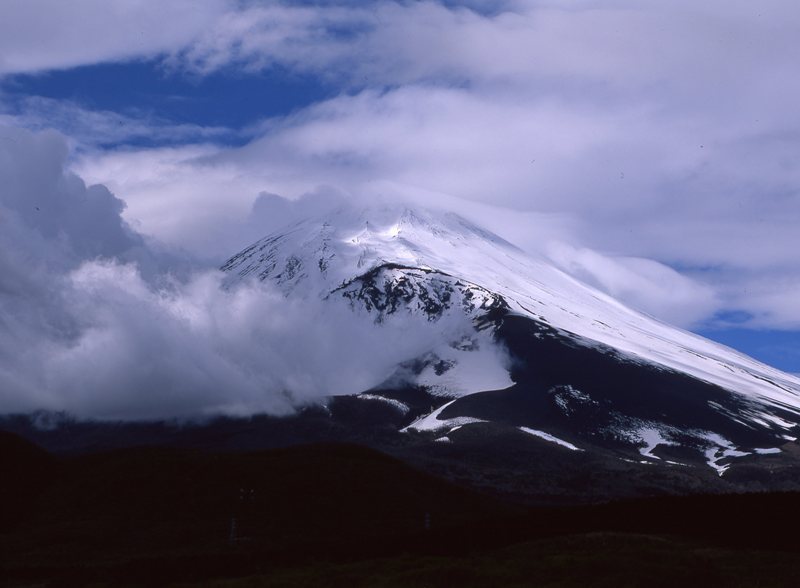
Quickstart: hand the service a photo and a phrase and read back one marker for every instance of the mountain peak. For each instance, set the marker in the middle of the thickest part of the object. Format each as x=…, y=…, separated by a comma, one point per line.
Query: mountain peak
x=391, y=222
x=325, y=251
x=319, y=256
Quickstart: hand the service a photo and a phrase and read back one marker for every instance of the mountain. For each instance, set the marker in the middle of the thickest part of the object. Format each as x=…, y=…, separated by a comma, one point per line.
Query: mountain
x=526, y=347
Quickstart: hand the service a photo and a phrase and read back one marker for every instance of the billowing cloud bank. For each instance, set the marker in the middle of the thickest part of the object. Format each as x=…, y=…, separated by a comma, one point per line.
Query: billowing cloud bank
x=83, y=329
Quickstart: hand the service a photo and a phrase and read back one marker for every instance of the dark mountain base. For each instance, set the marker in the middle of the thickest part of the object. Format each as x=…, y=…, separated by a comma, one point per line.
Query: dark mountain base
x=336, y=515
x=586, y=392
x=493, y=458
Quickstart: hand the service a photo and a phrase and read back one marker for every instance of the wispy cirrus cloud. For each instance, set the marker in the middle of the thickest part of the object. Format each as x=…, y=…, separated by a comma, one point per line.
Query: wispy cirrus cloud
x=90, y=128
x=42, y=35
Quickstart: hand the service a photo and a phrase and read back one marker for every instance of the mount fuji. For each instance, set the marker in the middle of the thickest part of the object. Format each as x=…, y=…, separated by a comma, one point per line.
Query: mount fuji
x=524, y=348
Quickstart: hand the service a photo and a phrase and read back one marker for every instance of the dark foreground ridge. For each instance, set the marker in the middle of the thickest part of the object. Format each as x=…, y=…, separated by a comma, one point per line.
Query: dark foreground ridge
x=494, y=458
x=346, y=515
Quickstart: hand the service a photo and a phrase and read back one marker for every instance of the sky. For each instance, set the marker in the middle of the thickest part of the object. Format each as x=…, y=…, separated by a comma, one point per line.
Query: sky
x=649, y=148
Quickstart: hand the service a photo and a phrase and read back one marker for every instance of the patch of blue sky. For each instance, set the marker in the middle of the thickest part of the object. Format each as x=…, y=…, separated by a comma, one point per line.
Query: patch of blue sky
x=780, y=349
x=228, y=98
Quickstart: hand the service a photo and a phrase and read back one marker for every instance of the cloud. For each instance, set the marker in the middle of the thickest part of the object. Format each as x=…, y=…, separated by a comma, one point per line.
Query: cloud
x=88, y=129
x=626, y=46
x=196, y=349
x=645, y=284
x=40, y=35
x=57, y=206
x=770, y=300
x=84, y=330
x=182, y=195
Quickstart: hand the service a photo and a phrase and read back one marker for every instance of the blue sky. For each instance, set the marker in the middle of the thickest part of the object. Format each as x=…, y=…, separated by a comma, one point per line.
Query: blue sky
x=230, y=98
x=649, y=150
x=778, y=348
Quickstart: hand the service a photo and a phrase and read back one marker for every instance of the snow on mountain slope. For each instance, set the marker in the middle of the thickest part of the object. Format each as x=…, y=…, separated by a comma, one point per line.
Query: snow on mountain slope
x=434, y=261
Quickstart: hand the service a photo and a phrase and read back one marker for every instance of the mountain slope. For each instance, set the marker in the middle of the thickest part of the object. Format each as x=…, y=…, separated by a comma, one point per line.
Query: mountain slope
x=584, y=369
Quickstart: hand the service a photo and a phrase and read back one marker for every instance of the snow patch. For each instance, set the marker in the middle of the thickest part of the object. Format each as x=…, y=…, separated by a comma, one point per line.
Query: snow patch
x=652, y=437
x=641, y=461
x=400, y=406
x=549, y=437
x=721, y=449
x=466, y=369
x=777, y=420
x=767, y=451
x=432, y=422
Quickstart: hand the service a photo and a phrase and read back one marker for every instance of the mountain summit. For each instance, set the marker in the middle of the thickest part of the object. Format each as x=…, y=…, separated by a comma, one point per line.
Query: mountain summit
x=581, y=370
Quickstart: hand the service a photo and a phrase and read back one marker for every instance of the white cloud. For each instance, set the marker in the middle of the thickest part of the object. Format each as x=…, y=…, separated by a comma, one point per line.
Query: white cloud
x=39, y=35
x=96, y=128
x=194, y=349
x=645, y=284
x=626, y=44
x=56, y=205
x=183, y=196
x=770, y=297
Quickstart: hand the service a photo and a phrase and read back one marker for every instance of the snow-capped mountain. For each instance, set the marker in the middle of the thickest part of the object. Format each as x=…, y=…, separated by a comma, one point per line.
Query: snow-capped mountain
x=579, y=369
